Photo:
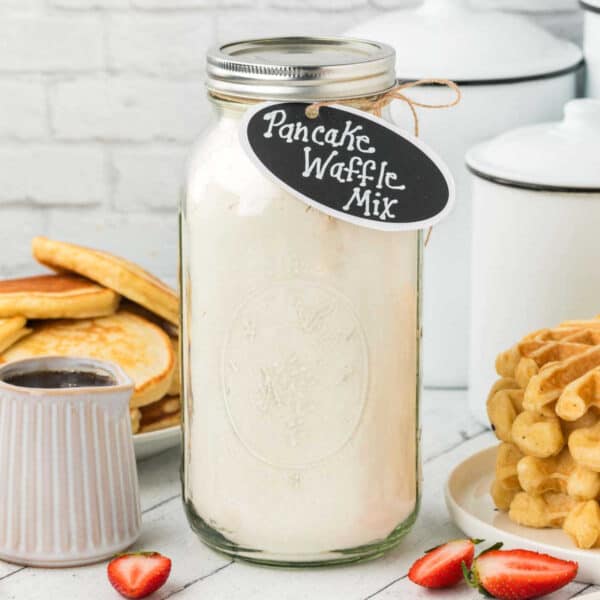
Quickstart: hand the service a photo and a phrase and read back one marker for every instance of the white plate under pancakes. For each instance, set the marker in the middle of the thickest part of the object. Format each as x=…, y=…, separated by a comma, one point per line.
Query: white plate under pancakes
x=154, y=442
x=472, y=509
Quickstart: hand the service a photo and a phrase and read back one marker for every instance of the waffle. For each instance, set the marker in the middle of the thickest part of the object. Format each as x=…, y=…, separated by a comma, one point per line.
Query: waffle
x=506, y=484
x=541, y=347
x=545, y=410
x=579, y=396
x=547, y=386
x=560, y=473
x=537, y=435
x=583, y=524
x=548, y=510
x=584, y=445
x=504, y=403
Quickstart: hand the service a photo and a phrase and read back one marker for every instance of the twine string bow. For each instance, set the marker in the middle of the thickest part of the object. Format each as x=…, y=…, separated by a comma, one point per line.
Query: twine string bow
x=377, y=104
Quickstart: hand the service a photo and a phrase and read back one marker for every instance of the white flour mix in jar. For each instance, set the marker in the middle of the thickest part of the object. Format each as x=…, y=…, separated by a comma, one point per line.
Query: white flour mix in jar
x=301, y=359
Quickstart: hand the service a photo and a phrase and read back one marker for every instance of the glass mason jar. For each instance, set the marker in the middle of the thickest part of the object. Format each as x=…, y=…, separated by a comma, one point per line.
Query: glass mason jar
x=300, y=334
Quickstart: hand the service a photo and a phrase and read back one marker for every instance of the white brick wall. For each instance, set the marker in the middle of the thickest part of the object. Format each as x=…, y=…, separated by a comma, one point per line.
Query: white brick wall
x=100, y=100
x=18, y=225
x=174, y=4
x=22, y=109
x=160, y=44
x=20, y=6
x=48, y=174
x=126, y=108
x=148, y=179
x=50, y=44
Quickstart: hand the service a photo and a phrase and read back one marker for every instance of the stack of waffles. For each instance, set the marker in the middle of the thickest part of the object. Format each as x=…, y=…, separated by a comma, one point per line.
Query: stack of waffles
x=545, y=410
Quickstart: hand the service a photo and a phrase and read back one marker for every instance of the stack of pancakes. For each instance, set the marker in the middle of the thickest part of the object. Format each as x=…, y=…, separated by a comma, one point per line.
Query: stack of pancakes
x=99, y=306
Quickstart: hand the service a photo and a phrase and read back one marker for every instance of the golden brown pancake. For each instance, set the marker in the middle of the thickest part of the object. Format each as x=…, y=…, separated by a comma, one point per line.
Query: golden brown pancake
x=136, y=416
x=111, y=271
x=168, y=421
x=12, y=330
x=55, y=297
x=171, y=329
x=175, y=388
x=142, y=349
x=168, y=405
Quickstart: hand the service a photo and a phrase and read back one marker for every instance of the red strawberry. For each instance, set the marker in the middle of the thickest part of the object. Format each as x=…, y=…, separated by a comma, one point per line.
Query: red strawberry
x=138, y=574
x=441, y=566
x=519, y=574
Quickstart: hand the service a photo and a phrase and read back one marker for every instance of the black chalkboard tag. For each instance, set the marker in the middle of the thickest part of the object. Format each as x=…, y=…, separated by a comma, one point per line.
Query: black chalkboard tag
x=350, y=165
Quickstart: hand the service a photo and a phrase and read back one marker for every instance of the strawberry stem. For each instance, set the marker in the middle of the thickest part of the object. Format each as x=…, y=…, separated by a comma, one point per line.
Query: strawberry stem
x=496, y=546
x=472, y=579
x=467, y=574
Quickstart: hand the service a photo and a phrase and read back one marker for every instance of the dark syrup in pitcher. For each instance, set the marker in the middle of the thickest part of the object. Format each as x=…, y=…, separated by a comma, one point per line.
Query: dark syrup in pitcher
x=60, y=379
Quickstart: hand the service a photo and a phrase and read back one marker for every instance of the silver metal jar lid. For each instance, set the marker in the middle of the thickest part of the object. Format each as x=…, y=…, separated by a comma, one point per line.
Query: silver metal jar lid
x=301, y=68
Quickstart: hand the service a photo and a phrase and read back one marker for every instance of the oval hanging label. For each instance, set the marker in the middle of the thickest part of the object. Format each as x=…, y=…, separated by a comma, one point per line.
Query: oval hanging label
x=349, y=164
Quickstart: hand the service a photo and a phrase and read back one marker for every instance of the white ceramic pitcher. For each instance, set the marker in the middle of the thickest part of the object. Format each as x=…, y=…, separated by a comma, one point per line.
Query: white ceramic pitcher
x=68, y=479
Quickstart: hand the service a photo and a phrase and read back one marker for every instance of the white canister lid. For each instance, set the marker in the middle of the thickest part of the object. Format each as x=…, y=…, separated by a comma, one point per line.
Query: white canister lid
x=450, y=39
x=561, y=156
x=593, y=5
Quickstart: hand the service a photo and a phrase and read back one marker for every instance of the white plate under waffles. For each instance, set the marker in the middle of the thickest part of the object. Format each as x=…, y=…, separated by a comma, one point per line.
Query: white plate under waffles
x=472, y=509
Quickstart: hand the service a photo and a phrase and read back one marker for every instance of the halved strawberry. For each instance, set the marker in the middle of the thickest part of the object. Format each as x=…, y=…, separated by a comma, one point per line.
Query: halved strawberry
x=441, y=566
x=138, y=574
x=519, y=574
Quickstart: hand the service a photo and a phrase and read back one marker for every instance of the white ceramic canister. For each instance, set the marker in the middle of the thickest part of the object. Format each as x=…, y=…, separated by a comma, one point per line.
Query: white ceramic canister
x=591, y=46
x=512, y=73
x=536, y=209
x=69, y=491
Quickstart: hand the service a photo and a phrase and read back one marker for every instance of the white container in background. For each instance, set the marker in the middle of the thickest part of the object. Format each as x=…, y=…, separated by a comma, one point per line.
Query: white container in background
x=536, y=248
x=512, y=73
x=68, y=479
x=591, y=46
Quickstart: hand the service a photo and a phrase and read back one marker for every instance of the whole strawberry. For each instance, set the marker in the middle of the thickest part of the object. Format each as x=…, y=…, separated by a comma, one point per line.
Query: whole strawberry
x=138, y=574
x=441, y=566
x=519, y=574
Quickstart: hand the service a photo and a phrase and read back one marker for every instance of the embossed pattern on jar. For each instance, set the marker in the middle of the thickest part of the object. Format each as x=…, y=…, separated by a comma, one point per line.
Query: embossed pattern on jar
x=295, y=362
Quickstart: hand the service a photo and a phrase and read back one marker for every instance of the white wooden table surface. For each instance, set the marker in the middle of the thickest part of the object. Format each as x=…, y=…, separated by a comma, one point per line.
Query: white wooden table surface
x=449, y=435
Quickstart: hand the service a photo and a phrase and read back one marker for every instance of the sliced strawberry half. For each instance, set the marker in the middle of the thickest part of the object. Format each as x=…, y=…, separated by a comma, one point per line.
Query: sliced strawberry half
x=137, y=575
x=519, y=574
x=441, y=566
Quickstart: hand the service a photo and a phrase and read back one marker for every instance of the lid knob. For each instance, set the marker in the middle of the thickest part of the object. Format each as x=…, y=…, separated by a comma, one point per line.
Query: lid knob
x=583, y=113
